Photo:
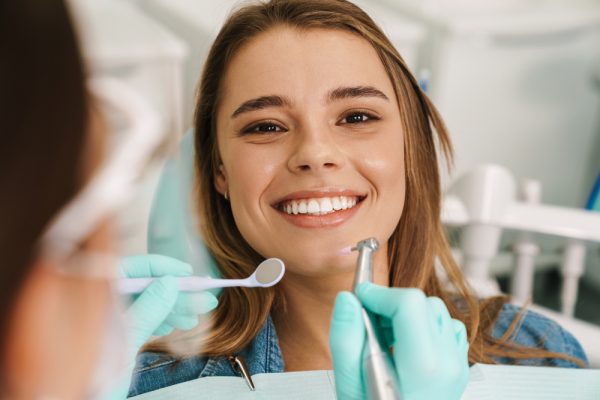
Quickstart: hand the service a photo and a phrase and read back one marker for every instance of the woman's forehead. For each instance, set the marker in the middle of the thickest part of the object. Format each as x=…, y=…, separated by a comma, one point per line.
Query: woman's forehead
x=302, y=64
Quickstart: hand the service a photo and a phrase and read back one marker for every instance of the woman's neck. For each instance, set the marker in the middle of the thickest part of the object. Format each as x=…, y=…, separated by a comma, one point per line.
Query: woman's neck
x=303, y=324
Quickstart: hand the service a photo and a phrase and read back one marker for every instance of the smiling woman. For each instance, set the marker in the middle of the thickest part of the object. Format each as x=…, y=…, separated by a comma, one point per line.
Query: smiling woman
x=311, y=135
x=315, y=126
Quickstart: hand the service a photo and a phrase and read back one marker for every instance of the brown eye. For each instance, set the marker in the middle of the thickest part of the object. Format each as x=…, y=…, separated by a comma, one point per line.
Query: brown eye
x=264, y=127
x=358, y=117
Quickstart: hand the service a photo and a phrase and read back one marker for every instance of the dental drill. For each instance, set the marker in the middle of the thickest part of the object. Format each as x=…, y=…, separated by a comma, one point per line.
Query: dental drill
x=380, y=373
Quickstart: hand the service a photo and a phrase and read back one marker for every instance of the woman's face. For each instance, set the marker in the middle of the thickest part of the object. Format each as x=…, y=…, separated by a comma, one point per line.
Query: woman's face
x=312, y=147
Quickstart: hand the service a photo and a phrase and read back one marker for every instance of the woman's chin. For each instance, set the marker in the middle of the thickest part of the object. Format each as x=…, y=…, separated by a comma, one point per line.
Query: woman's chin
x=323, y=266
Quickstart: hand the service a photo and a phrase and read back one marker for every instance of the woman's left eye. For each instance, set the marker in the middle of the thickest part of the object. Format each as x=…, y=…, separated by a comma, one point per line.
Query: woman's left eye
x=358, y=117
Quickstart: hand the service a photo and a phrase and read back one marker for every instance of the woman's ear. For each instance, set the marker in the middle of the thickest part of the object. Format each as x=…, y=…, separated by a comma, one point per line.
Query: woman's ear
x=221, y=181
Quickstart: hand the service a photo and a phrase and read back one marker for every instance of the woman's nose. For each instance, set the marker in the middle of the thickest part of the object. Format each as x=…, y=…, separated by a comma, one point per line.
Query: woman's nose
x=315, y=149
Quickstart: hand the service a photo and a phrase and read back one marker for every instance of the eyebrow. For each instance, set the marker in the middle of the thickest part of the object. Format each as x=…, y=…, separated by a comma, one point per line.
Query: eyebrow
x=260, y=103
x=340, y=93
x=355, y=91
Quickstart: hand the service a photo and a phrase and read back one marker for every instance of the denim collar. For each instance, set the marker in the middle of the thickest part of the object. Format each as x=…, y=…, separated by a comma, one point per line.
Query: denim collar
x=263, y=355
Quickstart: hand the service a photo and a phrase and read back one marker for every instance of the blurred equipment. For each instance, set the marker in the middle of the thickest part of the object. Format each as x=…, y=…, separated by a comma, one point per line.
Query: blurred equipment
x=514, y=83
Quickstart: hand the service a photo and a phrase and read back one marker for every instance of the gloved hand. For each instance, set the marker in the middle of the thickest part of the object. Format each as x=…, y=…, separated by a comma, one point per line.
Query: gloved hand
x=430, y=349
x=159, y=309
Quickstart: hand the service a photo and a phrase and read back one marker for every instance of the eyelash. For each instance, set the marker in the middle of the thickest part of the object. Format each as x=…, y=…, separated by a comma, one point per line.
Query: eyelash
x=273, y=127
x=369, y=117
x=256, y=128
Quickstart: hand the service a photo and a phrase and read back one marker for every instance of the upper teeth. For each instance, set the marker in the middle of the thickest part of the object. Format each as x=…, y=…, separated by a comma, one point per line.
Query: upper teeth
x=319, y=206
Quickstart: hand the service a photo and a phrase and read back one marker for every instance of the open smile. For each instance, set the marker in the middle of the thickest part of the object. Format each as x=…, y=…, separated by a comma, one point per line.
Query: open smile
x=318, y=210
x=318, y=205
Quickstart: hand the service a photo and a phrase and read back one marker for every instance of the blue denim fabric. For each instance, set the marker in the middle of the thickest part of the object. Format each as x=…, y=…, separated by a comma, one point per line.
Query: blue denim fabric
x=535, y=330
x=154, y=371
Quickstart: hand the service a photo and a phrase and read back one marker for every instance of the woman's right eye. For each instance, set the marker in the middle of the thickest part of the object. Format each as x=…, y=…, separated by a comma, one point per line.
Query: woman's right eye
x=264, y=127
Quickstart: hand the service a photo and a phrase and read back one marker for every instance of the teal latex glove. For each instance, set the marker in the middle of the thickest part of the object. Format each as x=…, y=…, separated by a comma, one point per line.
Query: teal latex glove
x=159, y=309
x=430, y=348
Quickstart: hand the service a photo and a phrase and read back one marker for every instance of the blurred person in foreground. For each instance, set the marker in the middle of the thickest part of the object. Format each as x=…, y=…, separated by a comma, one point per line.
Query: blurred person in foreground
x=57, y=314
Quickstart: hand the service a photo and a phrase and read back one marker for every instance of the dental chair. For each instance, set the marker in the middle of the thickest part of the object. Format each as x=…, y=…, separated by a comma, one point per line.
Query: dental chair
x=485, y=202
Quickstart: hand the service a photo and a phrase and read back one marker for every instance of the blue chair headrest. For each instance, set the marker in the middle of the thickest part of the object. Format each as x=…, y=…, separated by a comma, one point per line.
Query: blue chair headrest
x=172, y=229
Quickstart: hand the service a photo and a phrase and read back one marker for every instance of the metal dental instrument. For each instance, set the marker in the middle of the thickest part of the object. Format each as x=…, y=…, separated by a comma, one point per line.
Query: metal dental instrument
x=268, y=273
x=381, y=380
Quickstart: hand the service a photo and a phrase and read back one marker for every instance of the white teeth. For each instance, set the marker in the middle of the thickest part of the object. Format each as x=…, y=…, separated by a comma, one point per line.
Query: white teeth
x=336, y=203
x=325, y=205
x=302, y=208
x=313, y=206
x=319, y=206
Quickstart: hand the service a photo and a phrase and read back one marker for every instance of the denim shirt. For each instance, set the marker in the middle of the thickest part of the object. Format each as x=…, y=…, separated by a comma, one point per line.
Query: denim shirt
x=154, y=371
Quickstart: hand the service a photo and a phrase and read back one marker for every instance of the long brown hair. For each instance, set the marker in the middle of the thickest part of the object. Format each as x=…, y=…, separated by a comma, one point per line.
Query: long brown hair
x=419, y=237
x=44, y=116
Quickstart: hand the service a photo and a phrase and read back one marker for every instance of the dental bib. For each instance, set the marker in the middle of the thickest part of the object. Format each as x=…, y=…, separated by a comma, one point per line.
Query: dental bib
x=490, y=382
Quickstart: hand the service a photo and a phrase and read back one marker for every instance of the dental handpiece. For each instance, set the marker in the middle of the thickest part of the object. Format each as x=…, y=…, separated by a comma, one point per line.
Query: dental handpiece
x=380, y=373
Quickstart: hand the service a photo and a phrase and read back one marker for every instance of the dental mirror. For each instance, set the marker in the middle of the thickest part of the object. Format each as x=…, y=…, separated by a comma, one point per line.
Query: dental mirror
x=268, y=273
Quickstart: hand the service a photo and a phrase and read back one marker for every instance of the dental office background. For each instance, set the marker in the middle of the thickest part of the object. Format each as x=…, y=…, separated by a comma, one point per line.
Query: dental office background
x=518, y=84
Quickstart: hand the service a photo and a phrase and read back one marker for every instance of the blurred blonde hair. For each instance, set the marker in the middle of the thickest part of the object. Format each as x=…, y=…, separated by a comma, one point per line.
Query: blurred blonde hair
x=419, y=237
